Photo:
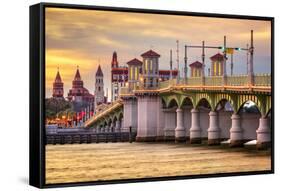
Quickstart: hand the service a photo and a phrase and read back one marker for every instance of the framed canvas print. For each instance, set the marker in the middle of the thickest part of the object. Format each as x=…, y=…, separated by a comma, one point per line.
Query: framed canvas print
x=123, y=95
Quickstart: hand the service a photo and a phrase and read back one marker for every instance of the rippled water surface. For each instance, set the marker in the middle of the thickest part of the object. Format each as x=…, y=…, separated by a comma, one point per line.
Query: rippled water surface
x=107, y=161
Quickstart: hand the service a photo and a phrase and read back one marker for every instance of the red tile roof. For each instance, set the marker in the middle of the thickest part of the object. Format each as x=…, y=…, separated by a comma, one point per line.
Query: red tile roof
x=196, y=64
x=217, y=56
x=134, y=62
x=150, y=53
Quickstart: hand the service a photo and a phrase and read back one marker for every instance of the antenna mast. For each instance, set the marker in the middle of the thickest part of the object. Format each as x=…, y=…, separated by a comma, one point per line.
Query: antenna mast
x=171, y=64
x=178, y=67
x=185, y=64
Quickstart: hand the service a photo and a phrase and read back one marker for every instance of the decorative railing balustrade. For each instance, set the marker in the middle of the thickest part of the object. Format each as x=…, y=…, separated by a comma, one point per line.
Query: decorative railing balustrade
x=237, y=80
x=263, y=80
x=213, y=81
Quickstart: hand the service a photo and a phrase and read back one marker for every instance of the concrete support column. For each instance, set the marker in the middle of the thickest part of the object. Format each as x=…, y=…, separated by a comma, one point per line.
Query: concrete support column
x=117, y=126
x=213, y=130
x=111, y=128
x=94, y=129
x=102, y=129
x=106, y=128
x=169, y=125
x=180, y=134
x=236, y=132
x=263, y=134
x=195, y=130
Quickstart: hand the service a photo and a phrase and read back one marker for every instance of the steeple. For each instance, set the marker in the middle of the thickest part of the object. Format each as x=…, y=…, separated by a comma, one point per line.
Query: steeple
x=77, y=75
x=58, y=78
x=114, y=62
x=99, y=72
x=58, y=86
x=77, y=81
x=99, y=87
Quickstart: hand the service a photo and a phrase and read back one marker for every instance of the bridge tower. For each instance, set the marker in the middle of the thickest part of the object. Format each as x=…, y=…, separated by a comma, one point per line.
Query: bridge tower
x=196, y=69
x=217, y=65
x=134, y=67
x=150, y=69
x=148, y=101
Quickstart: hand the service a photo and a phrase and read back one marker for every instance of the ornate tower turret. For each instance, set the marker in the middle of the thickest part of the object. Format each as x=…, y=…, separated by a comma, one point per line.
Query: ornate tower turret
x=58, y=86
x=99, y=87
x=196, y=69
x=134, y=67
x=217, y=65
x=150, y=69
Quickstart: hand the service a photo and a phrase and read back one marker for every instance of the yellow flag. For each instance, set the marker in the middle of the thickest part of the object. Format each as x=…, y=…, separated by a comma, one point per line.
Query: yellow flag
x=230, y=50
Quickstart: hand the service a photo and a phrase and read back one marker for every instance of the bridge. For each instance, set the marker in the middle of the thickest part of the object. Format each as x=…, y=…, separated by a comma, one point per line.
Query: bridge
x=220, y=108
x=193, y=109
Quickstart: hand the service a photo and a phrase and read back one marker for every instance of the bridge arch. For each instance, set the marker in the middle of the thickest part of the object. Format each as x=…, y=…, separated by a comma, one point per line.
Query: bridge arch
x=242, y=99
x=187, y=100
x=268, y=113
x=249, y=106
x=224, y=104
x=172, y=103
x=205, y=96
x=204, y=102
x=120, y=115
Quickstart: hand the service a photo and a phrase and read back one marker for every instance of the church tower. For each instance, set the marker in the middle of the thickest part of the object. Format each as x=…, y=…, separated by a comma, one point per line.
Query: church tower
x=114, y=62
x=99, y=87
x=58, y=86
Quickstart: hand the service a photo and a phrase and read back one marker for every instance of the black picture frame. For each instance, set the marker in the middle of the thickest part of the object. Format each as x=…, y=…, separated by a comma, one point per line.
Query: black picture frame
x=37, y=93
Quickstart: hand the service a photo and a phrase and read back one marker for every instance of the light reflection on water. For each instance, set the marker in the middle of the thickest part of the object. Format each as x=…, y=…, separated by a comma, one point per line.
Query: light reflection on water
x=108, y=161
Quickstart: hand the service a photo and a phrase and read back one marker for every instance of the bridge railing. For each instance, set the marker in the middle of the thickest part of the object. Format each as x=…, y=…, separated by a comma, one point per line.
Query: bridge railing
x=107, y=109
x=262, y=80
x=237, y=80
x=125, y=90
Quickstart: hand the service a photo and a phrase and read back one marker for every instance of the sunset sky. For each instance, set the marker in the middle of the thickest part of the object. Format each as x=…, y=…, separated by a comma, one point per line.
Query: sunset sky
x=88, y=38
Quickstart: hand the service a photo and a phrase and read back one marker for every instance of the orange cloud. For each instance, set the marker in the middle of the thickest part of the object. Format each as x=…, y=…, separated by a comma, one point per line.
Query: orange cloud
x=88, y=38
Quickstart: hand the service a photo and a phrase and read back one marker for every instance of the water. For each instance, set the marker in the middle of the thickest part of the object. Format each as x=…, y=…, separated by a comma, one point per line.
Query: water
x=107, y=161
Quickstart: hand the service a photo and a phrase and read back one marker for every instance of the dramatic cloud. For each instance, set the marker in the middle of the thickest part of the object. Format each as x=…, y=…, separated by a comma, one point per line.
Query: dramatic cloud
x=88, y=38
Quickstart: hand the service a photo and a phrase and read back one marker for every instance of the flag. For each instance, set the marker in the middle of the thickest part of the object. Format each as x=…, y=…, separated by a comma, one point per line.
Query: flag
x=229, y=50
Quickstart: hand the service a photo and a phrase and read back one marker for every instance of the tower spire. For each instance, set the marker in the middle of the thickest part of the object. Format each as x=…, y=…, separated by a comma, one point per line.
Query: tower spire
x=114, y=61
x=77, y=75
